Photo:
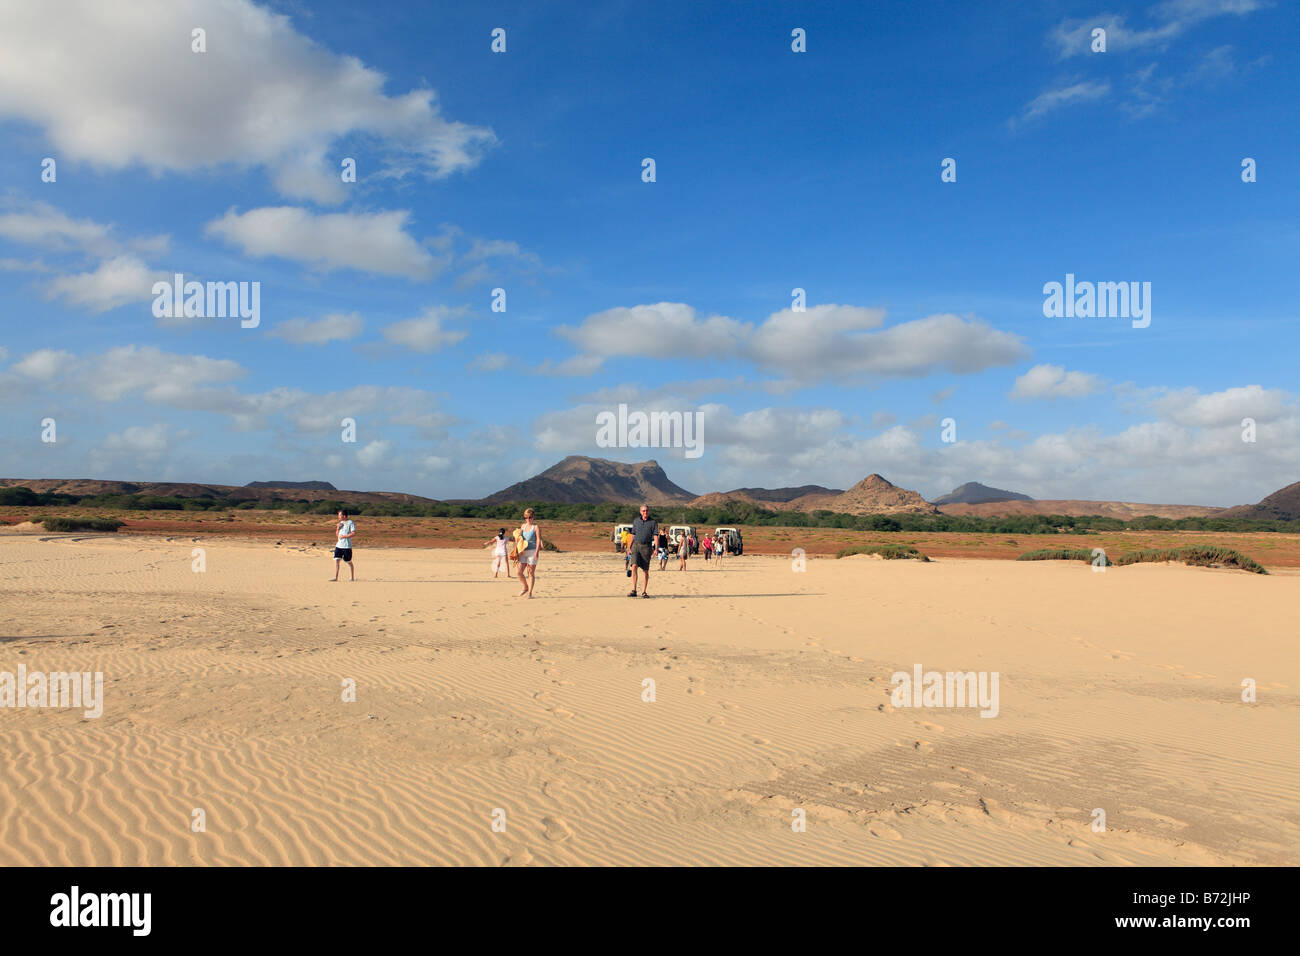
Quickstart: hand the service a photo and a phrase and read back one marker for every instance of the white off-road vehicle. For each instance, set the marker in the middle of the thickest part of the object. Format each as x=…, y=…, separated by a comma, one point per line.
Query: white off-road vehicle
x=680, y=532
x=732, y=542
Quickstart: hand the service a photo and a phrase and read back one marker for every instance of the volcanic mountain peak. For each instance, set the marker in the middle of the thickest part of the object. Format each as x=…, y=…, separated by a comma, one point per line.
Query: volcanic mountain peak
x=973, y=493
x=1281, y=505
x=578, y=480
x=875, y=494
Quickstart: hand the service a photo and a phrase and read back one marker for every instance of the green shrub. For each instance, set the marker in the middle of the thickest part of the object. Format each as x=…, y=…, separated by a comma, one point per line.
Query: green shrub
x=1205, y=557
x=81, y=524
x=1061, y=554
x=890, y=552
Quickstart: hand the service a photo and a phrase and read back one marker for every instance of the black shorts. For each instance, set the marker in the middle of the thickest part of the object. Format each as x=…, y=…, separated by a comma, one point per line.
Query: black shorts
x=641, y=555
x=344, y=553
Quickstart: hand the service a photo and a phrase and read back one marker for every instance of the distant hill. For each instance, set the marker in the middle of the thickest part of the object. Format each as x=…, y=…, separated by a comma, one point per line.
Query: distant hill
x=1123, y=510
x=581, y=480
x=874, y=495
x=306, y=485
x=258, y=491
x=1283, y=505
x=871, y=495
x=781, y=494
x=972, y=493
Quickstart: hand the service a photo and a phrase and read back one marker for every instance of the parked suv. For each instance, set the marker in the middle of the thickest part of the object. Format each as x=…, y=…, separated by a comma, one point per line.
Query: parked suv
x=677, y=533
x=732, y=542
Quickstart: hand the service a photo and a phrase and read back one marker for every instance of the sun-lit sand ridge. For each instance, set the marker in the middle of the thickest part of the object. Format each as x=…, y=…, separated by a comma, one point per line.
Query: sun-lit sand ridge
x=1119, y=690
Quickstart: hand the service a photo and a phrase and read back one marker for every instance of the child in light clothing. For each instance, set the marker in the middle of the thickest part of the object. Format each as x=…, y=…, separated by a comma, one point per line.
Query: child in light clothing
x=500, y=557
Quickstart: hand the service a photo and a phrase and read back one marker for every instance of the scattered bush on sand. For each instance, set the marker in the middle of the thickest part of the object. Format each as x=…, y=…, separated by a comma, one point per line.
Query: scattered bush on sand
x=1203, y=557
x=890, y=552
x=81, y=524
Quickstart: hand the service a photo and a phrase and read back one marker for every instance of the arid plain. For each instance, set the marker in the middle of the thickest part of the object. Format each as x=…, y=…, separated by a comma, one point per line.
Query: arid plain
x=1119, y=691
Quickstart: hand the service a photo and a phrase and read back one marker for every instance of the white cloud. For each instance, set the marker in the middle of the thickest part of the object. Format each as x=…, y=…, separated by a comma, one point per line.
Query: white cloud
x=23, y=265
x=115, y=282
x=662, y=330
x=1053, y=381
x=804, y=340
x=161, y=376
x=369, y=242
x=805, y=348
x=262, y=95
x=337, y=327
x=373, y=453
x=43, y=365
x=882, y=419
x=144, y=440
x=1224, y=409
x=425, y=333
x=40, y=224
x=1079, y=91
x=1172, y=19
x=825, y=341
x=490, y=362
x=36, y=223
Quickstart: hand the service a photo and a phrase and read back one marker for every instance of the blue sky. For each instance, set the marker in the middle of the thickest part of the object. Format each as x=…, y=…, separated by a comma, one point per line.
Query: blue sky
x=775, y=170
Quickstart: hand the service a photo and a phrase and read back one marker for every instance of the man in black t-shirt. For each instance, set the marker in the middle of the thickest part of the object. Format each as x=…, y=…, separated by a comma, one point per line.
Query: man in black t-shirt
x=644, y=531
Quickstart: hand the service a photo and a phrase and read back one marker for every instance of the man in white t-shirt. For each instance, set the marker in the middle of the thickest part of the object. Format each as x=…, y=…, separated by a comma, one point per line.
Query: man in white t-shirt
x=345, y=529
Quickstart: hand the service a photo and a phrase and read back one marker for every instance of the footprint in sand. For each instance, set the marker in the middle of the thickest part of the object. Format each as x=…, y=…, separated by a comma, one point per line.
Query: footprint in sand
x=557, y=831
x=924, y=746
x=521, y=858
x=727, y=705
x=933, y=728
x=884, y=832
x=717, y=721
x=757, y=740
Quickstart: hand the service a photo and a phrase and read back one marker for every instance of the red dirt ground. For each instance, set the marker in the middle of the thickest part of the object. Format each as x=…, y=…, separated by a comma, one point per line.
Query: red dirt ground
x=1273, y=550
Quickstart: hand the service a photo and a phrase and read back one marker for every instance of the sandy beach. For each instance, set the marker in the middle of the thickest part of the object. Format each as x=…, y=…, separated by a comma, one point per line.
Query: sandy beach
x=223, y=693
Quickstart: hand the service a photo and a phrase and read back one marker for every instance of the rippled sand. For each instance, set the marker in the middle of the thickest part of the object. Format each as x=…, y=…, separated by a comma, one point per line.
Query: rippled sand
x=223, y=693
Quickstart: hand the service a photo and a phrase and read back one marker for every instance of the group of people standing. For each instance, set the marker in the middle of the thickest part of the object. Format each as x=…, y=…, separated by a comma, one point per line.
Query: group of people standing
x=639, y=545
x=645, y=541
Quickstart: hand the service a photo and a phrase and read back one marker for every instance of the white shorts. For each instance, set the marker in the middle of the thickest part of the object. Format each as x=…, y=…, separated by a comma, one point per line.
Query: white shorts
x=528, y=558
x=499, y=563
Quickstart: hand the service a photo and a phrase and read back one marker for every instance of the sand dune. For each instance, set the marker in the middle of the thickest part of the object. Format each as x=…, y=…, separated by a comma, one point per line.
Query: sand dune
x=1119, y=690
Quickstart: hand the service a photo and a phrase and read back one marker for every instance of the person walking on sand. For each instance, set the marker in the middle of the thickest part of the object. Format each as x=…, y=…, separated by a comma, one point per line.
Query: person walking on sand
x=683, y=550
x=344, y=530
x=527, y=559
x=707, y=545
x=500, y=555
x=644, y=531
x=718, y=550
x=661, y=543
